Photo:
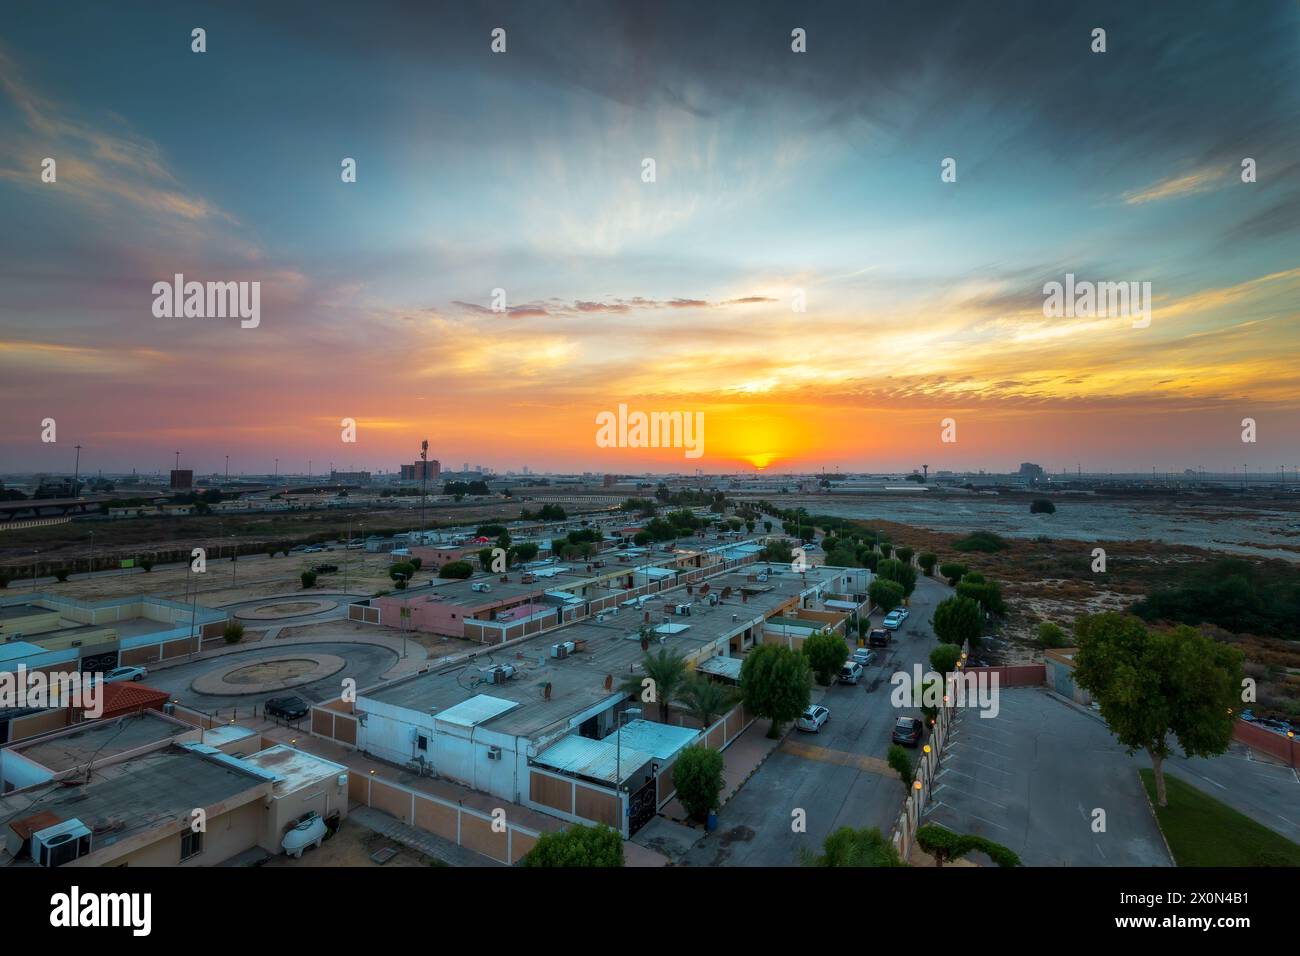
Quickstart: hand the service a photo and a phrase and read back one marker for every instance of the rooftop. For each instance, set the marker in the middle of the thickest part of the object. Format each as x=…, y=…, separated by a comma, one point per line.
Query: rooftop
x=294, y=768
x=99, y=740
x=135, y=796
x=608, y=651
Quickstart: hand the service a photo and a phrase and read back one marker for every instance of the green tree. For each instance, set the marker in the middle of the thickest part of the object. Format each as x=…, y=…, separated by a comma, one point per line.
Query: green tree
x=904, y=554
x=523, y=552
x=767, y=526
x=953, y=572
x=308, y=580
x=945, y=845
x=577, y=846
x=697, y=775
x=1154, y=685
x=826, y=653
x=957, y=620
x=893, y=569
x=706, y=700
x=985, y=593
x=485, y=558
x=233, y=632
x=456, y=569
x=885, y=594
x=849, y=847
x=927, y=561
x=776, y=683
x=944, y=658
x=666, y=672
x=402, y=571
x=901, y=761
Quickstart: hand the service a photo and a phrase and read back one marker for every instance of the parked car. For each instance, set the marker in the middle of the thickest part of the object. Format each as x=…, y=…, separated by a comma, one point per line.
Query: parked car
x=908, y=731
x=851, y=672
x=864, y=656
x=811, y=720
x=309, y=830
x=878, y=637
x=895, y=618
x=287, y=708
x=126, y=673
x=312, y=550
x=325, y=568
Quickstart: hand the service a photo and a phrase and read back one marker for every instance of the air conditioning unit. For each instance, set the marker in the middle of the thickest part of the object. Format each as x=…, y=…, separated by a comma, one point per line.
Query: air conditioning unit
x=683, y=610
x=61, y=843
x=494, y=753
x=169, y=708
x=560, y=650
x=569, y=647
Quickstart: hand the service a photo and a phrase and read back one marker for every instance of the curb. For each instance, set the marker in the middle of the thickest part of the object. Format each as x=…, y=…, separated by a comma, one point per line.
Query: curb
x=1155, y=819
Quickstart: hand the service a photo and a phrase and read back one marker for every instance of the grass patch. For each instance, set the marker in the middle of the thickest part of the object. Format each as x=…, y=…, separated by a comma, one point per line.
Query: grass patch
x=1204, y=832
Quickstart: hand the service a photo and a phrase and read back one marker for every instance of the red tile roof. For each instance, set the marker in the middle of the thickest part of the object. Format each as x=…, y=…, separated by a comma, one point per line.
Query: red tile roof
x=125, y=697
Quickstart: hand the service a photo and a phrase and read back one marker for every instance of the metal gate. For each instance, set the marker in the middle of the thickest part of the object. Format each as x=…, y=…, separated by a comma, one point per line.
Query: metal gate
x=641, y=807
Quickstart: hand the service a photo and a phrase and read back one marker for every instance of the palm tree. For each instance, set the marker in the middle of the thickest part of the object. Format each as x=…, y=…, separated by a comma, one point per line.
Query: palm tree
x=666, y=671
x=706, y=700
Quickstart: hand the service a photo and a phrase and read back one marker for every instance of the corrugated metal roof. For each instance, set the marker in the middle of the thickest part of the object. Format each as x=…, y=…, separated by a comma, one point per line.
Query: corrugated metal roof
x=728, y=667
x=660, y=741
x=594, y=759
x=476, y=710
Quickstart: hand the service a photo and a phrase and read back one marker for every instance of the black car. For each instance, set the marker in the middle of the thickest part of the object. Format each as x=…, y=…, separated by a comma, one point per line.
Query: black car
x=878, y=637
x=325, y=568
x=908, y=731
x=287, y=708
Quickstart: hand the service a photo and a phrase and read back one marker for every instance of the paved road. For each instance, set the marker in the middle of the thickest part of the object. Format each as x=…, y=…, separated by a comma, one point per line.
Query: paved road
x=365, y=663
x=838, y=777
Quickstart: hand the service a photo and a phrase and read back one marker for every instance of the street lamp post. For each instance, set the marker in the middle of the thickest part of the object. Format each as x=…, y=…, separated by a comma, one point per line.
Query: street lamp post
x=35, y=553
x=634, y=713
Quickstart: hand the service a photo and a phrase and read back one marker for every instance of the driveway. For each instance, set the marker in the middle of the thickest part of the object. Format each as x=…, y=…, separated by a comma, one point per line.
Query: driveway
x=838, y=777
x=1032, y=777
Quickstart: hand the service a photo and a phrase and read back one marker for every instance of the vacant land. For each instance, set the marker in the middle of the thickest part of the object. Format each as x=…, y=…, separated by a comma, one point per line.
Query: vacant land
x=1201, y=831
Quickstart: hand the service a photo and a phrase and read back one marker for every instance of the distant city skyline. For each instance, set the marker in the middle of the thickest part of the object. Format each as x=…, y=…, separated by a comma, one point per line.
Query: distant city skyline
x=781, y=178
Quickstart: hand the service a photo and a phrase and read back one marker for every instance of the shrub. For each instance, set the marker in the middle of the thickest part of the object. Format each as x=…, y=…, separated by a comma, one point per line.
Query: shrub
x=416, y=562
x=697, y=775
x=986, y=593
x=234, y=632
x=904, y=555
x=1051, y=635
x=944, y=845
x=927, y=561
x=61, y=574
x=1042, y=506
x=402, y=571
x=308, y=580
x=944, y=658
x=847, y=847
x=456, y=569
x=985, y=541
x=578, y=846
x=4, y=581
x=901, y=761
x=146, y=563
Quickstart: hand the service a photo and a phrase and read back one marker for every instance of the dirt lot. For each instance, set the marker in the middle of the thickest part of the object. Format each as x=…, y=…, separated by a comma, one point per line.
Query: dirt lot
x=352, y=846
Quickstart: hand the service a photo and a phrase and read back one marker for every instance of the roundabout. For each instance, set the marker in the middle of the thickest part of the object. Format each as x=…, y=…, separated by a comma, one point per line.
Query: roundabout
x=267, y=674
x=279, y=609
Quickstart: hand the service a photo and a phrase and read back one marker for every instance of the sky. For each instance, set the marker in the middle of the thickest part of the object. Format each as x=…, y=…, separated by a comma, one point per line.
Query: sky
x=779, y=177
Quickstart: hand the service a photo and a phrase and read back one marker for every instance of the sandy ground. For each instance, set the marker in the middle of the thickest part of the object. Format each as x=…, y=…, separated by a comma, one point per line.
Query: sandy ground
x=343, y=630
x=254, y=576
x=352, y=846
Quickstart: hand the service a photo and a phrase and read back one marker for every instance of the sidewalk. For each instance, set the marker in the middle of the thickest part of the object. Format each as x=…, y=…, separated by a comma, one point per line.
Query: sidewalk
x=740, y=761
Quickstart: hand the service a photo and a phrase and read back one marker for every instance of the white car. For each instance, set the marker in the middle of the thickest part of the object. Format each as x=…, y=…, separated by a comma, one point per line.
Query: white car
x=851, y=672
x=864, y=656
x=811, y=720
x=308, y=831
x=895, y=618
x=126, y=673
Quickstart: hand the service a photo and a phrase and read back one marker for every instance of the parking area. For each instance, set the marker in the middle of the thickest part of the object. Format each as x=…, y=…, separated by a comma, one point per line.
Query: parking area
x=1032, y=777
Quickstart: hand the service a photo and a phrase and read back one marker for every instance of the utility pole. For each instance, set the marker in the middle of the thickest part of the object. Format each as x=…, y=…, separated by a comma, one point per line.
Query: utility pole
x=424, y=479
x=227, y=468
x=76, y=474
x=178, y=461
